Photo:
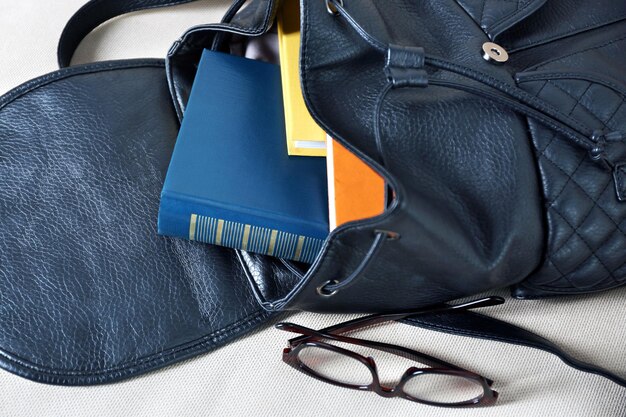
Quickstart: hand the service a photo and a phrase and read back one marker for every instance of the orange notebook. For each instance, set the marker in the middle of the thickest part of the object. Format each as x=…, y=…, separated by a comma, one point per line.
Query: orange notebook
x=355, y=190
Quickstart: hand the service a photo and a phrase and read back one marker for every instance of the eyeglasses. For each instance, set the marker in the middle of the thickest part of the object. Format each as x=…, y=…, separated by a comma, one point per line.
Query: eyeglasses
x=441, y=384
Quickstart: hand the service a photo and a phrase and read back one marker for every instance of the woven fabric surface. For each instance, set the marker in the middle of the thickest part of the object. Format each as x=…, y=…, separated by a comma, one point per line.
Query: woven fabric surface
x=248, y=377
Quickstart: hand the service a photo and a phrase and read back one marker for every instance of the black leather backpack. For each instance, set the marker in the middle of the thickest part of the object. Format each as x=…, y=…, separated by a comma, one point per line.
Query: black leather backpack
x=499, y=126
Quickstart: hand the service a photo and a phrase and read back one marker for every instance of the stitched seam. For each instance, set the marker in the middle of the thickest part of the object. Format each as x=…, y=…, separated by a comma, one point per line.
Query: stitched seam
x=162, y=355
x=566, y=291
x=516, y=12
x=557, y=76
x=584, y=240
x=599, y=206
x=591, y=112
x=583, y=159
x=582, y=51
x=611, y=274
x=63, y=74
x=577, y=290
x=588, y=110
x=545, y=149
x=585, y=192
x=618, y=268
x=543, y=152
x=562, y=276
x=567, y=182
x=545, y=83
x=506, y=19
x=539, y=103
x=583, y=262
x=574, y=289
x=555, y=133
x=566, y=34
x=570, y=179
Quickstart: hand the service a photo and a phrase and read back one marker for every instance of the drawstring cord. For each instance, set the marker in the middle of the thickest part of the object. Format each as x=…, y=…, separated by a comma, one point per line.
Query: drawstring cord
x=377, y=129
x=331, y=287
x=593, y=141
x=518, y=99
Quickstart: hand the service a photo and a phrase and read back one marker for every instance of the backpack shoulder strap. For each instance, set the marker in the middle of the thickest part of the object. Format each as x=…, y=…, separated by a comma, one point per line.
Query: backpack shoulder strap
x=93, y=14
x=466, y=323
x=96, y=12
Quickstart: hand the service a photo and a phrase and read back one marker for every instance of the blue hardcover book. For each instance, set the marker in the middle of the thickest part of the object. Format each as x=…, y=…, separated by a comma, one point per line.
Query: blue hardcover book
x=230, y=181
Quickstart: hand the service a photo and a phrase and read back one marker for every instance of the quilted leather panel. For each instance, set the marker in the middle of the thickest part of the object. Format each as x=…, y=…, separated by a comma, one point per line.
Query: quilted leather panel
x=586, y=222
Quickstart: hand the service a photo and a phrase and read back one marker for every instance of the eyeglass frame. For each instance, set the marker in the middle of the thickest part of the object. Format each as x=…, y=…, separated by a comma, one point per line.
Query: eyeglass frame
x=313, y=338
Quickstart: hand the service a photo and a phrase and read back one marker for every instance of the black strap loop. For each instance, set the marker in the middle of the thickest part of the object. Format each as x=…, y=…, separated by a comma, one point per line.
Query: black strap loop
x=331, y=287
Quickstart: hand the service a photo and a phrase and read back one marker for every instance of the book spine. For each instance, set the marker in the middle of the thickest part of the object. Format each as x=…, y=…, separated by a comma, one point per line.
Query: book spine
x=178, y=219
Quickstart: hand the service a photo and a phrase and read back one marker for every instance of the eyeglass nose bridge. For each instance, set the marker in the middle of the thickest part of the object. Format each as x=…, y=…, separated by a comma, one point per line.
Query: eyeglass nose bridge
x=376, y=386
x=391, y=391
x=387, y=392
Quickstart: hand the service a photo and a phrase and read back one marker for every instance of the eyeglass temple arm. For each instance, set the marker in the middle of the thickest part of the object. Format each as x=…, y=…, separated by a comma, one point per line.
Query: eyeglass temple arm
x=374, y=319
x=385, y=347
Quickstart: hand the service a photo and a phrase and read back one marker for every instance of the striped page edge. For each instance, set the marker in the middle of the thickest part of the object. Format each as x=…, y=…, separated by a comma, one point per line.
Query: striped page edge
x=253, y=238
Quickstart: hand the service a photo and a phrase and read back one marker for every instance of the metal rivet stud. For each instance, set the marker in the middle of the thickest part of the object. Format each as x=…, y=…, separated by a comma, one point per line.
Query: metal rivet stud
x=390, y=235
x=330, y=7
x=492, y=52
x=321, y=290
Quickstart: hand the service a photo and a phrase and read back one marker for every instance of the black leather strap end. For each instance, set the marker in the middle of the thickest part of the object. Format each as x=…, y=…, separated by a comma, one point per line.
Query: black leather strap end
x=405, y=66
x=483, y=327
x=619, y=175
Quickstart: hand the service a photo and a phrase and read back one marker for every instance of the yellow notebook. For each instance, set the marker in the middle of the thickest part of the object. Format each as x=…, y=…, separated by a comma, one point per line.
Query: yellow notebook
x=304, y=136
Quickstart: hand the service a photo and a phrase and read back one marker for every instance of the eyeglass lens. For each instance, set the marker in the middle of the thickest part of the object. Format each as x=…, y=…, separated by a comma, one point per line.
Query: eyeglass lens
x=432, y=387
x=335, y=366
x=442, y=388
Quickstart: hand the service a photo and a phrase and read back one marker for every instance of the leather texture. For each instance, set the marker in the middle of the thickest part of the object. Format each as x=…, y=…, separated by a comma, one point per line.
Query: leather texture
x=493, y=249
x=477, y=204
x=495, y=16
x=585, y=221
x=470, y=324
x=495, y=182
x=88, y=292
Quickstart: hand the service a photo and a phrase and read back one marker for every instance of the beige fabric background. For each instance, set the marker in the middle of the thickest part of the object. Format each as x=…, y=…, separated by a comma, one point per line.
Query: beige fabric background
x=247, y=377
